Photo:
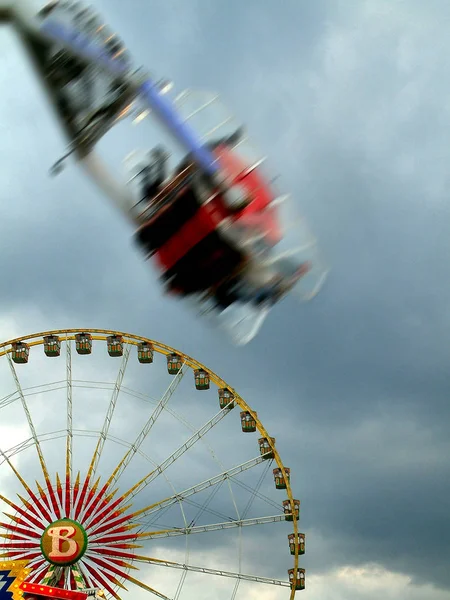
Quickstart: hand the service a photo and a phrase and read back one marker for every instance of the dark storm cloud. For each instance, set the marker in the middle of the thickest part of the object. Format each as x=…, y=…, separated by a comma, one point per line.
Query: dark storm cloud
x=352, y=102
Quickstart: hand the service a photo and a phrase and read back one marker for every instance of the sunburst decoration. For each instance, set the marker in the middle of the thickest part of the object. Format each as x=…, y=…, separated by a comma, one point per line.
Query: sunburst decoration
x=79, y=536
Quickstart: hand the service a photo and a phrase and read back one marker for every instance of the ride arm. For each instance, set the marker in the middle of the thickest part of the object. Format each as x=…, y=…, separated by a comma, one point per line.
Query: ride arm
x=82, y=46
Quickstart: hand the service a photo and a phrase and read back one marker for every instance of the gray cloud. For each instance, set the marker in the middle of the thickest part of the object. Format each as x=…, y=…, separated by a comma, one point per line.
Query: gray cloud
x=352, y=103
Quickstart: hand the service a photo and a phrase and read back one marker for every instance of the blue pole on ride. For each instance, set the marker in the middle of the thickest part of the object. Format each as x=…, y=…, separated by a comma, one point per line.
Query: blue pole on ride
x=83, y=46
x=167, y=112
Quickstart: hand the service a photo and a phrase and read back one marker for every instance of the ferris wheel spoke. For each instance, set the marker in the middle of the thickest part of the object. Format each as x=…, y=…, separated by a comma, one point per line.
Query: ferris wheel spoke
x=31, y=391
x=146, y=587
x=34, y=436
x=207, y=571
x=25, y=518
x=8, y=399
x=28, y=443
x=60, y=493
x=17, y=448
x=69, y=440
x=112, y=564
x=43, y=496
x=123, y=464
x=211, y=527
x=167, y=502
x=136, y=489
x=204, y=509
x=235, y=589
x=199, y=487
x=25, y=546
x=255, y=493
x=180, y=585
x=111, y=552
x=27, y=488
x=128, y=538
x=90, y=495
x=105, y=520
x=38, y=569
x=18, y=532
x=99, y=539
x=106, y=424
x=19, y=555
x=107, y=567
x=51, y=386
x=76, y=488
x=210, y=450
x=105, y=581
x=149, y=424
x=205, y=506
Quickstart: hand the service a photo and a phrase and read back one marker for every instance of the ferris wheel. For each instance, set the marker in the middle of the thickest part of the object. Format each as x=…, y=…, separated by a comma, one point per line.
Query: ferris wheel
x=126, y=465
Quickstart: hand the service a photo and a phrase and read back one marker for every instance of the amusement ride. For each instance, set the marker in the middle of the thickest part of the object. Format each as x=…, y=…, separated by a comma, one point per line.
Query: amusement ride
x=219, y=234
x=127, y=454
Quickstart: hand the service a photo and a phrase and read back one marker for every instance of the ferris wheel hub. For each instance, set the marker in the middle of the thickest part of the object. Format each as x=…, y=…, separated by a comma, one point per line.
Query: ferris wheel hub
x=64, y=542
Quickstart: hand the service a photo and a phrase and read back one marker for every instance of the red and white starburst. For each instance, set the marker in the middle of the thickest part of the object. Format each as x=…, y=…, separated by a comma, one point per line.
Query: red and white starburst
x=105, y=519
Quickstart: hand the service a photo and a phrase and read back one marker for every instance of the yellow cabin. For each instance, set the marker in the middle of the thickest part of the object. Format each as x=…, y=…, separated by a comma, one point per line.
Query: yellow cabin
x=288, y=510
x=265, y=449
x=299, y=546
x=280, y=482
x=248, y=423
x=174, y=364
x=226, y=398
x=145, y=353
x=297, y=581
x=20, y=352
x=83, y=343
x=52, y=345
x=201, y=379
x=115, y=345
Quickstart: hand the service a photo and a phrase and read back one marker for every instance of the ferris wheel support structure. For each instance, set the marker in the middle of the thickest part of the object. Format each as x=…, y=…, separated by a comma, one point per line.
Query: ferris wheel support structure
x=101, y=511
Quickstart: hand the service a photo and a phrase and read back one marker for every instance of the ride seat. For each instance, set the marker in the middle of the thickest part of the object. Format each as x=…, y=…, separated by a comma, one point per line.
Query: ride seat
x=174, y=206
x=205, y=266
x=183, y=234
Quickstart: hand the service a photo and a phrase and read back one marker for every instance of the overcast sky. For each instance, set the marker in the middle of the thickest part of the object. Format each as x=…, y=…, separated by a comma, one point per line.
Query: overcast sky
x=352, y=101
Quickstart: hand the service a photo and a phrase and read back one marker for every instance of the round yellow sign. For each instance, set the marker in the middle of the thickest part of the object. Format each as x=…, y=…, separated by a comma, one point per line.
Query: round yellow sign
x=64, y=542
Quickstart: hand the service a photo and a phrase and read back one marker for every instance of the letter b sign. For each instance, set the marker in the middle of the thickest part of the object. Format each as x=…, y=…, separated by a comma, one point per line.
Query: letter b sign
x=64, y=542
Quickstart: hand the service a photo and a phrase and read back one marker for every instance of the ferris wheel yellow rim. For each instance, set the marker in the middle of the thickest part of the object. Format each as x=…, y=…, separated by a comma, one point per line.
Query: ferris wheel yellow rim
x=37, y=339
